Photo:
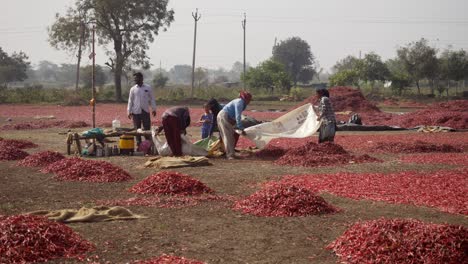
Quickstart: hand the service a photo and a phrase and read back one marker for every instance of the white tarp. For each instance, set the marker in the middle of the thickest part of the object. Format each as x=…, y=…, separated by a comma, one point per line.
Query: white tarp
x=187, y=147
x=299, y=123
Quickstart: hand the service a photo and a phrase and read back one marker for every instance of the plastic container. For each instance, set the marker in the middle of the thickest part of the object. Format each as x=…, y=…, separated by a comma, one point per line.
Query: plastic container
x=126, y=144
x=115, y=124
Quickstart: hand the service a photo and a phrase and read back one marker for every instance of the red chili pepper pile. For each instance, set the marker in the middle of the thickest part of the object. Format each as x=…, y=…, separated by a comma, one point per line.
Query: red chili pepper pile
x=26, y=239
x=88, y=171
x=346, y=99
x=170, y=182
x=444, y=190
x=17, y=143
x=325, y=154
x=413, y=147
x=168, y=259
x=11, y=153
x=60, y=165
x=284, y=200
x=452, y=114
x=270, y=152
x=441, y=158
x=402, y=241
x=41, y=159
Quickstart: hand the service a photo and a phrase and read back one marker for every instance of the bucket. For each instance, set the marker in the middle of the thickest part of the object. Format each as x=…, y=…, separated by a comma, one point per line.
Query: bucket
x=126, y=144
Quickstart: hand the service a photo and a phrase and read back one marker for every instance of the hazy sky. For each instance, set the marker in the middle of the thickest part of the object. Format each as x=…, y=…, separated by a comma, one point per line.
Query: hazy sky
x=333, y=28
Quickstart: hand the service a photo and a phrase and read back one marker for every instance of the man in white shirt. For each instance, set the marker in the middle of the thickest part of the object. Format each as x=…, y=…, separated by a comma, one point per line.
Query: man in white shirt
x=140, y=99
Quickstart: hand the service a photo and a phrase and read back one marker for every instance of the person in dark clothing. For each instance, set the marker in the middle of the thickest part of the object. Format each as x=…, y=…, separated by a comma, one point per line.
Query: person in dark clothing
x=215, y=107
x=175, y=121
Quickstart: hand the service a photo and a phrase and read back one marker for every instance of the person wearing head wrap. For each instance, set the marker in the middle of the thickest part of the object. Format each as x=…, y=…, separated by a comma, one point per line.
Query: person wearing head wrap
x=228, y=118
x=175, y=121
x=326, y=115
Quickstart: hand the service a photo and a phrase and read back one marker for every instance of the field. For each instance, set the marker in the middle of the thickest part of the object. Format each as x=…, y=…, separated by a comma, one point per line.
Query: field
x=407, y=183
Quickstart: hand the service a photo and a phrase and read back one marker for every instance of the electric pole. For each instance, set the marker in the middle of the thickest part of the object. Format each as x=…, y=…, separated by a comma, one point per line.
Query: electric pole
x=82, y=33
x=196, y=17
x=244, y=24
x=94, y=80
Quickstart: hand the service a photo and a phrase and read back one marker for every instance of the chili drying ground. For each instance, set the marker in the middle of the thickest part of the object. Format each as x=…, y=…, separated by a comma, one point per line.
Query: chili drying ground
x=446, y=190
x=211, y=231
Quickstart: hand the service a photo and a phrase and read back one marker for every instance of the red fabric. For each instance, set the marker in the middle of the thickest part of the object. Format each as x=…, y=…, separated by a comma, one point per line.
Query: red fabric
x=246, y=96
x=172, y=131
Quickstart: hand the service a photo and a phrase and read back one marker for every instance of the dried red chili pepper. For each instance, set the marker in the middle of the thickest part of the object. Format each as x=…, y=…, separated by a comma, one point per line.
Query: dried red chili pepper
x=170, y=182
x=26, y=239
x=284, y=200
x=402, y=241
x=41, y=159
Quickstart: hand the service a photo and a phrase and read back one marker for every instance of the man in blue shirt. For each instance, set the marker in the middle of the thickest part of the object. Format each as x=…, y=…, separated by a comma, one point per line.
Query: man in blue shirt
x=228, y=118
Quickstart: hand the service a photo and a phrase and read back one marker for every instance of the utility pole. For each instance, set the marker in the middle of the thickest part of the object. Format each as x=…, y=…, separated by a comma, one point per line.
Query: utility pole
x=94, y=80
x=82, y=31
x=274, y=45
x=196, y=17
x=244, y=24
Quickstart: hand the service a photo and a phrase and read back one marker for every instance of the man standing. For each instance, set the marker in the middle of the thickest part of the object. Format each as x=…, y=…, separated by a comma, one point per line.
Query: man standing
x=139, y=100
x=228, y=118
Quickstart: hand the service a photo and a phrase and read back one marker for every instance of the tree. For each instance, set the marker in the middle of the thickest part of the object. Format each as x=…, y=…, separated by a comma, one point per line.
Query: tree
x=373, y=69
x=453, y=66
x=294, y=53
x=399, y=77
x=345, y=78
x=419, y=60
x=87, y=76
x=47, y=71
x=129, y=25
x=348, y=63
x=160, y=80
x=13, y=68
x=269, y=74
x=70, y=33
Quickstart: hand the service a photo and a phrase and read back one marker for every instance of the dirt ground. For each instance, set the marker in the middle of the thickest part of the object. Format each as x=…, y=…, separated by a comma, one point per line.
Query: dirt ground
x=211, y=231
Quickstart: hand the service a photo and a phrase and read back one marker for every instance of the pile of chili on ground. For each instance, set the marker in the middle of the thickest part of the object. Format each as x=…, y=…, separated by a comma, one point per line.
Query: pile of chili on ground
x=172, y=183
x=284, y=200
x=402, y=241
x=26, y=239
x=82, y=170
x=12, y=153
x=17, y=143
x=41, y=159
x=316, y=155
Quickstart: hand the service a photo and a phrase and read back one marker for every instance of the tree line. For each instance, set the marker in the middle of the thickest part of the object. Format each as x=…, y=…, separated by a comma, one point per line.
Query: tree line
x=413, y=63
